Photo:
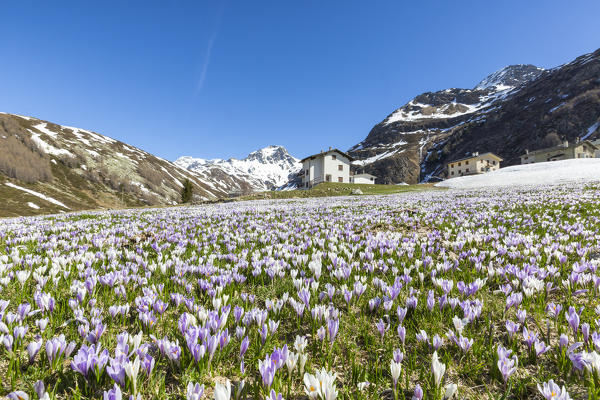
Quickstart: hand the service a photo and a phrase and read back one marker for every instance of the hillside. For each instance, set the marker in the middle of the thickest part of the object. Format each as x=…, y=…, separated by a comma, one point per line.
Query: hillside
x=45, y=167
x=517, y=108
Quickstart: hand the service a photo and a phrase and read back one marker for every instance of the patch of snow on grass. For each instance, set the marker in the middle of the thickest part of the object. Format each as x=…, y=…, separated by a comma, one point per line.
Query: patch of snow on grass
x=95, y=136
x=546, y=173
x=33, y=205
x=47, y=148
x=44, y=129
x=93, y=153
x=37, y=194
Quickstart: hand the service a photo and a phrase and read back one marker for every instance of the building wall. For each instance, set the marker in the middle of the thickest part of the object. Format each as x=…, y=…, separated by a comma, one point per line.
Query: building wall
x=581, y=150
x=528, y=159
x=331, y=167
x=474, y=165
x=313, y=171
x=363, y=180
x=317, y=170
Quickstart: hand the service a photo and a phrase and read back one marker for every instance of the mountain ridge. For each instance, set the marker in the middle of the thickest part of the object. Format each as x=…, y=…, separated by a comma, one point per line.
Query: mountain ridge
x=515, y=108
x=268, y=168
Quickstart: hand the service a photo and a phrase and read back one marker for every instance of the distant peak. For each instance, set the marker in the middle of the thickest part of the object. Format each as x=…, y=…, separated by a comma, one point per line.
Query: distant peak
x=510, y=76
x=270, y=153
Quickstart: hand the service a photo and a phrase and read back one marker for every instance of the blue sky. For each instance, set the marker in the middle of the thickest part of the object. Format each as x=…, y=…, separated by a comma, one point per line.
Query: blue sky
x=223, y=78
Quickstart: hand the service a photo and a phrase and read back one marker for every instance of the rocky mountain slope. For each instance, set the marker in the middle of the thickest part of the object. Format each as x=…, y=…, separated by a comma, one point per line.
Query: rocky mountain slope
x=266, y=169
x=517, y=108
x=46, y=167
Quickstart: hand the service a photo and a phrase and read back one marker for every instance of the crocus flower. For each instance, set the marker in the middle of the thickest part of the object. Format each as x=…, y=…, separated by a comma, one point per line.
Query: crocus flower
x=18, y=395
x=222, y=391
x=418, y=393
x=395, y=370
x=275, y=396
x=40, y=390
x=131, y=370
x=573, y=320
x=33, y=348
x=551, y=391
x=450, y=391
x=113, y=394
x=194, y=391
x=438, y=369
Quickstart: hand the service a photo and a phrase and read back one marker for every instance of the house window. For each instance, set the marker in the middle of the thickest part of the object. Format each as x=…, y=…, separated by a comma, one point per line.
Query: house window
x=328, y=178
x=452, y=173
x=467, y=170
x=333, y=157
x=459, y=171
x=340, y=167
x=466, y=163
x=494, y=162
x=459, y=164
x=340, y=179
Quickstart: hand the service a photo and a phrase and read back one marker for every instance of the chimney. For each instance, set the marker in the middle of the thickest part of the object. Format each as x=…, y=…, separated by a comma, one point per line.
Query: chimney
x=526, y=151
x=329, y=148
x=475, y=153
x=566, y=144
x=578, y=139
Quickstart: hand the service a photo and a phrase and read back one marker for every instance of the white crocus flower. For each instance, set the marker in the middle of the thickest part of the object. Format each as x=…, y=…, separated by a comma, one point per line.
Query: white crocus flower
x=395, y=369
x=223, y=392
x=312, y=386
x=450, y=391
x=438, y=369
x=131, y=370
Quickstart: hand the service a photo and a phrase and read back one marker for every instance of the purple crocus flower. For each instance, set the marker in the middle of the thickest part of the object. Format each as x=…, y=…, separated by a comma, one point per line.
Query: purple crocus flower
x=33, y=348
x=18, y=395
x=194, y=391
x=401, y=333
x=401, y=312
x=430, y=300
x=573, y=320
x=540, y=347
x=398, y=356
x=333, y=326
x=244, y=346
x=437, y=342
x=418, y=394
x=116, y=371
x=113, y=394
x=382, y=327
x=464, y=343
x=267, y=371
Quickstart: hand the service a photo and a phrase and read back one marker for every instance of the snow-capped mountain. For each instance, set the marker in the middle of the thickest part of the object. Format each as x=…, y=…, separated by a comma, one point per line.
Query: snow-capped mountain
x=513, y=109
x=510, y=77
x=45, y=167
x=266, y=169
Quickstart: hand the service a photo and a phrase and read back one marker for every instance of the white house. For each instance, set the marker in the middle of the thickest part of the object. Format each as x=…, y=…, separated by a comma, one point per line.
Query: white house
x=363, y=178
x=332, y=165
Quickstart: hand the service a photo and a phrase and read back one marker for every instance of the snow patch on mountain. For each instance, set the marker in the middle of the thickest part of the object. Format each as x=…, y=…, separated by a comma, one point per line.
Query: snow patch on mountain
x=37, y=194
x=510, y=77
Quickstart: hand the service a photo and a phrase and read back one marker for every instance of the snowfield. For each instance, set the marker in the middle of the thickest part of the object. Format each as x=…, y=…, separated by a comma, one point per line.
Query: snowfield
x=547, y=173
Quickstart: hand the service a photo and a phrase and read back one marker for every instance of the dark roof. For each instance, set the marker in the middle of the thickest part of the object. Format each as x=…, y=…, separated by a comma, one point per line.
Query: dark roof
x=479, y=155
x=324, y=153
